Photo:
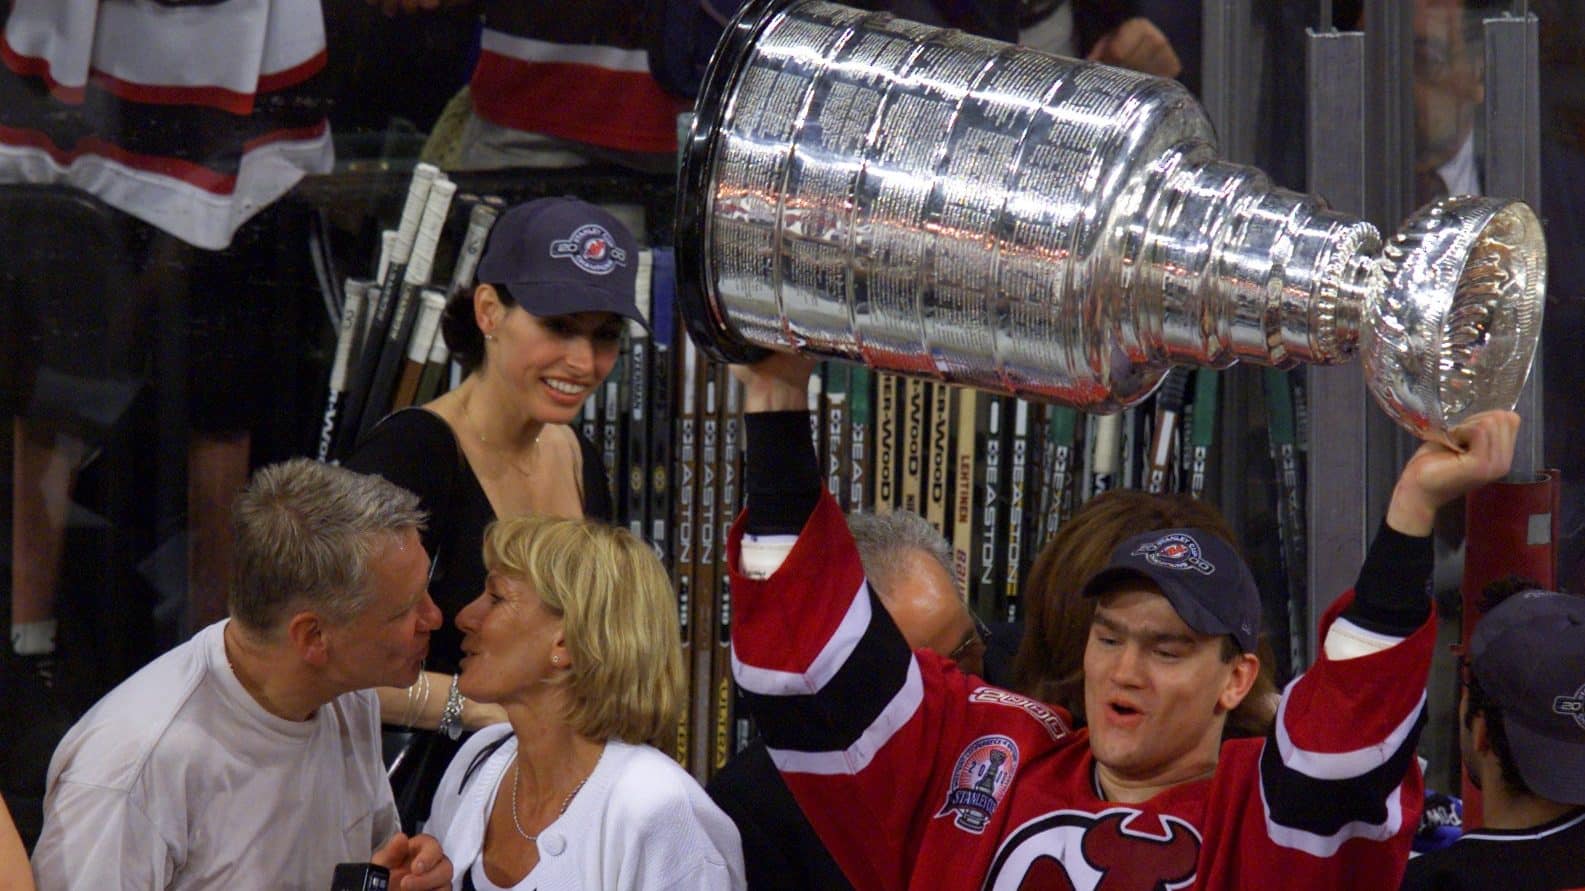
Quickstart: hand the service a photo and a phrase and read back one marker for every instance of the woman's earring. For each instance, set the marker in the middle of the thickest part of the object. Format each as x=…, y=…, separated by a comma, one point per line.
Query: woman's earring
x=556, y=661
x=489, y=337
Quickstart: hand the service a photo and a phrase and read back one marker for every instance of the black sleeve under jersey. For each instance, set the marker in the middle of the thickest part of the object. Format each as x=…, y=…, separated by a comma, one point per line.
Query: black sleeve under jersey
x=781, y=474
x=1391, y=595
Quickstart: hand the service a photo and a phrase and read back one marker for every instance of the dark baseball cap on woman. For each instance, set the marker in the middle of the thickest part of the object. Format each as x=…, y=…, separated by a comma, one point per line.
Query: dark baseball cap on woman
x=1201, y=575
x=1529, y=655
x=557, y=256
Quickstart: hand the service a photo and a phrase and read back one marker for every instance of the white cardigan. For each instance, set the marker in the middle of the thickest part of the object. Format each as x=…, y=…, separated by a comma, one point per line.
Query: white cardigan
x=640, y=823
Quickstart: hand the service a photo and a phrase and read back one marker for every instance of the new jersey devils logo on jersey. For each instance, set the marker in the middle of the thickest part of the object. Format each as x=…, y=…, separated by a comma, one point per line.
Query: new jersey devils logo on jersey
x=1121, y=849
x=591, y=249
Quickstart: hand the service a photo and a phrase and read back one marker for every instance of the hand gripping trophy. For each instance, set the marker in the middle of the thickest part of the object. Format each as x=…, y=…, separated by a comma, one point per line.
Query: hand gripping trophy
x=932, y=203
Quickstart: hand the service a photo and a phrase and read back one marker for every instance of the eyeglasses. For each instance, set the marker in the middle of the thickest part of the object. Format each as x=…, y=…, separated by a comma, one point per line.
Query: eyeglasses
x=979, y=636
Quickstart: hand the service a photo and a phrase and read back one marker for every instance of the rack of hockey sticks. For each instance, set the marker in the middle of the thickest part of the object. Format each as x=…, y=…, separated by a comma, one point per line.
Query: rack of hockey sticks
x=389, y=352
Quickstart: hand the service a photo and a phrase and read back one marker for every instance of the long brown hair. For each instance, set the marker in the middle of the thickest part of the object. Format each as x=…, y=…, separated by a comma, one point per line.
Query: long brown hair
x=1049, y=665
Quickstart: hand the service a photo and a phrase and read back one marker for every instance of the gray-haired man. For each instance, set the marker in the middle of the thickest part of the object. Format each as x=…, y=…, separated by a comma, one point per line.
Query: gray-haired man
x=249, y=756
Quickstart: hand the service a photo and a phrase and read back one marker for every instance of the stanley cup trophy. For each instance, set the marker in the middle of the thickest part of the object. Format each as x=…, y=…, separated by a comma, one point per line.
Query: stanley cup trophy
x=935, y=204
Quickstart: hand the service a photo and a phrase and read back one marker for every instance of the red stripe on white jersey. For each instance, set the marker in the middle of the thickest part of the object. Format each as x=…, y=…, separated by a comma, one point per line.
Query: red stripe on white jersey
x=216, y=56
x=93, y=146
x=32, y=66
x=527, y=49
x=200, y=206
x=612, y=108
x=211, y=181
x=211, y=97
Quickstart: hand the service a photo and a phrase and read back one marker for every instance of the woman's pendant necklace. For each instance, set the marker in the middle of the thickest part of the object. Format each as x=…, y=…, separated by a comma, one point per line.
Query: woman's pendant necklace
x=533, y=450
x=516, y=771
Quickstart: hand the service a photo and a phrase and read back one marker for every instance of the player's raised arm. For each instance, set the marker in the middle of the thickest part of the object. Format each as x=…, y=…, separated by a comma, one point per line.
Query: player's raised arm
x=833, y=686
x=782, y=475
x=1390, y=597
x=1340, y=762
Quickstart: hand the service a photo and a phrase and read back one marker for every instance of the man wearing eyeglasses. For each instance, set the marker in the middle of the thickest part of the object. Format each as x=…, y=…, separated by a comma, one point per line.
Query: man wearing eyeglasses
x=909, y=566
x=916, y=775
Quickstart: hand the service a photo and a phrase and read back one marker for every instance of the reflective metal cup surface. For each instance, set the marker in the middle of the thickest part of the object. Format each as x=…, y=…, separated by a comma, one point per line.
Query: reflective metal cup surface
x=927, y=202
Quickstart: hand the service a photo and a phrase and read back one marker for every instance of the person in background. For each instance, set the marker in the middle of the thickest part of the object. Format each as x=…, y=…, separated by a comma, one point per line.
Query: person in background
x=165, y=168
x=248, y=757
x=1522, y=736
x=192, y=153
x=189, y=156
x=537, y=336
x=1449, y=88
x=1049, y=665
x=909, y=564
x=576, y=637
x=563, y=84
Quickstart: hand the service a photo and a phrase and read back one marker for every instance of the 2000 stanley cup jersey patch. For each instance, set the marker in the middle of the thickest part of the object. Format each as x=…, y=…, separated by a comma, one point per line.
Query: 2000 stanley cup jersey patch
x=980, y=781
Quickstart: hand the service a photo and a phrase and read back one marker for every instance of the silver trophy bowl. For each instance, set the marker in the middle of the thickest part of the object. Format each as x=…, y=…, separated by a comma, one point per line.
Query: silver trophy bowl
x=930, y=203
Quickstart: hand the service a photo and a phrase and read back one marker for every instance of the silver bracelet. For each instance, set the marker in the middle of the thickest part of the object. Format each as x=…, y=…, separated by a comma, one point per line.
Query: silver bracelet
x=423, y=700
x=412, y=697
x=417, y=698
x=451, y=715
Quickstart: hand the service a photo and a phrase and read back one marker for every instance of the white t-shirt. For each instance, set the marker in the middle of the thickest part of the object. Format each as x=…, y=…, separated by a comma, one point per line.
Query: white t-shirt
x=179, y=779
x=640, y=823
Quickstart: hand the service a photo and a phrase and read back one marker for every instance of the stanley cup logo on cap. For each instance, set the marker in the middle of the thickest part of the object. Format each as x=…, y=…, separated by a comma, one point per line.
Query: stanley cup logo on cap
x=591, y=249
x=1572, y=706
x=1175, y=551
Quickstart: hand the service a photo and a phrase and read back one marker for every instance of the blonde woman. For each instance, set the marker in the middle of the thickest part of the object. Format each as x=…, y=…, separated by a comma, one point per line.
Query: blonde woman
x=575, y=637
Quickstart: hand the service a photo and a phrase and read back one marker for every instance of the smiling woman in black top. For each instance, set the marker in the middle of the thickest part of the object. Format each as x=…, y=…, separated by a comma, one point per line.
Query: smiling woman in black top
x=536, y=337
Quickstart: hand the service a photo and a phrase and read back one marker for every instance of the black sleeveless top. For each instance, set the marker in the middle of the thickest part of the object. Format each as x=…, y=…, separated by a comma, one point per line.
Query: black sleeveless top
x=417, y=450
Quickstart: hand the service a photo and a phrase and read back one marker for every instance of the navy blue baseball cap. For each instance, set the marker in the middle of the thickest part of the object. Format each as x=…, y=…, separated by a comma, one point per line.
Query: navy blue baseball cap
x=1529, y=655
x=1200, y=575
x=557, y=256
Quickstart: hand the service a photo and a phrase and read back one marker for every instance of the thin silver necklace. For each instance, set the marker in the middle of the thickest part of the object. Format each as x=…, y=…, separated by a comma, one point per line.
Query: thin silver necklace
x=517, y=769
x=533, y=447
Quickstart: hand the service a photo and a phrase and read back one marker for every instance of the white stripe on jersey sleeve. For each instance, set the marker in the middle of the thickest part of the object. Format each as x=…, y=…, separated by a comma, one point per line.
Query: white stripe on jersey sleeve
x=832, y=656
x=1341, y=765
x=902, y=707
x=1327, y=845
x=1345, y=640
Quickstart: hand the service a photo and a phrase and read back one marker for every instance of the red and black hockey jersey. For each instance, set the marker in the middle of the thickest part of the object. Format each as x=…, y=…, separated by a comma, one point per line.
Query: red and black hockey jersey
x=574, y=71
x=918, y=776
x=191, y=116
